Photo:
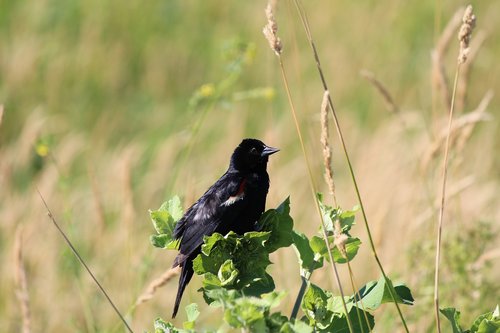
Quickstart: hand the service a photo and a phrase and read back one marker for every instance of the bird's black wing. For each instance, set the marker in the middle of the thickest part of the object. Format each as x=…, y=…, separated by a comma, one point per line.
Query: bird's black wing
x=218, y=205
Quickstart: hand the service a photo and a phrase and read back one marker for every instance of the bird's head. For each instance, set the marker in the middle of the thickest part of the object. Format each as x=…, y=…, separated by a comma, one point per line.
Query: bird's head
x=251, y=155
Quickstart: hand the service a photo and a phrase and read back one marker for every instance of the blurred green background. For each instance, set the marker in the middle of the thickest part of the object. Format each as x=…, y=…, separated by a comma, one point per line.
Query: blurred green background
x=111, y=107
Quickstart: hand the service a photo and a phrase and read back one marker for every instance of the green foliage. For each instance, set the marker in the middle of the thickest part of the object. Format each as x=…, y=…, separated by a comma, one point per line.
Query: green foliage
x=331, y=215
x=164, y=220
x=376, y=293
x=488, y=322
x=235, y=262
x=308, y=259
x=326, y=312
x=233, y=268
x=279, y=224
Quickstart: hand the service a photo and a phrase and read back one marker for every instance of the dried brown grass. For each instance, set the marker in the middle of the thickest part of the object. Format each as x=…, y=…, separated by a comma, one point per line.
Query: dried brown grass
x=21, y=281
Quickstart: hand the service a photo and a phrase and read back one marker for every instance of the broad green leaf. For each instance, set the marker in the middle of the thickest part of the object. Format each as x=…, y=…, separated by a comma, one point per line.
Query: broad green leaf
x=319, y=247
x=330, y=215
x=259, y=286
x=235, y=262
x=246, y=312
x=227, y=273
x=489, y=326
x=454, y=317
x=164, y=220
x=164, y=241
x=279, y=223
x=362, y=321
x=347, y=218
x=488, y=322
x=273, y=299
x=307, y=258
x=297, y=327
x=335, y=304
x=375, y=293
x=352, y=246
x=315, y=306
x=162, y=326
x=275, y=322
x=192, y=314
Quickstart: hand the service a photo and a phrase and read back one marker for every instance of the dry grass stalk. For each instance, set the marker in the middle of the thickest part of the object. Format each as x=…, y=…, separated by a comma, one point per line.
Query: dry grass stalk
x=439, y=80
x=464, y=36
x=464, y=72
x=460, y=131
x=271, y=29
x=1, y=113
x=21, y=281
x=155, y=284
x=327, y=151
x=465, y=33
x=389, y=101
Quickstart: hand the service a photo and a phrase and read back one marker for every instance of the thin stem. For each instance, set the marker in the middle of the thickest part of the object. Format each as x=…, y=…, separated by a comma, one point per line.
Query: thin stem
x=302, y=290
x=305, y=23
x=441, y=208
x=75, y=252
x=313, y=190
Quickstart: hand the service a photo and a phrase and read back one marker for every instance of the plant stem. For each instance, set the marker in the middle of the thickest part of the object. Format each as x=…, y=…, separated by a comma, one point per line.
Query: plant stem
x=441, y=208
x=302, y=291
x=348, y=160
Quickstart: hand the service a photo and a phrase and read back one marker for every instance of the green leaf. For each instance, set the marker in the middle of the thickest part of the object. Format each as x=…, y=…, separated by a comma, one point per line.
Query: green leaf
x=235, y=262
x=330, y=215
x=358, y=319
x=307, y=258
x=347, y=218
x=192, y=314
x=454, y=317
x=352, y=246
x=336, y=306
x=273, y=299
x=315, y=306
x=164, y=220
x=319, y=247
x=489, y=326
x=297, y=327
x=280, y=225
x=488, y=322
x=163, y=241
x=375, y=293
x=227, y=273
x=162, y=326
x=246, y=312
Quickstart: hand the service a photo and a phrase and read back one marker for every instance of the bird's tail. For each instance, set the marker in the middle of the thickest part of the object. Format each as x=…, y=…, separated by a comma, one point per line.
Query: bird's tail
x=186, y=275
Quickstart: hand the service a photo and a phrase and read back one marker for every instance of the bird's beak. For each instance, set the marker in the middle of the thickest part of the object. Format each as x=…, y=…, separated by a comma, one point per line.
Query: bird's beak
x=269, y=151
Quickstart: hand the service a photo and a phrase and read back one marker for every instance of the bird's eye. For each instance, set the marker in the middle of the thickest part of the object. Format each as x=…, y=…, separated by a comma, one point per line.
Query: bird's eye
x=253, y=150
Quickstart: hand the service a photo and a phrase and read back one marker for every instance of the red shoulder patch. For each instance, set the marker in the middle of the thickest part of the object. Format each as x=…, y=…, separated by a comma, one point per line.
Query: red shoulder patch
x=242, y=187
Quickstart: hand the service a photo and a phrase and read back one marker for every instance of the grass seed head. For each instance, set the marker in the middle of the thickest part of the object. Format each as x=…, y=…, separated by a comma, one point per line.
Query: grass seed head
x=271, y=29
x=465, y=33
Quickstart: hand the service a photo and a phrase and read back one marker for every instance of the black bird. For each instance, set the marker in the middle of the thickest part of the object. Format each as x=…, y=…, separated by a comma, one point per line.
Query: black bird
x=234, y=203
